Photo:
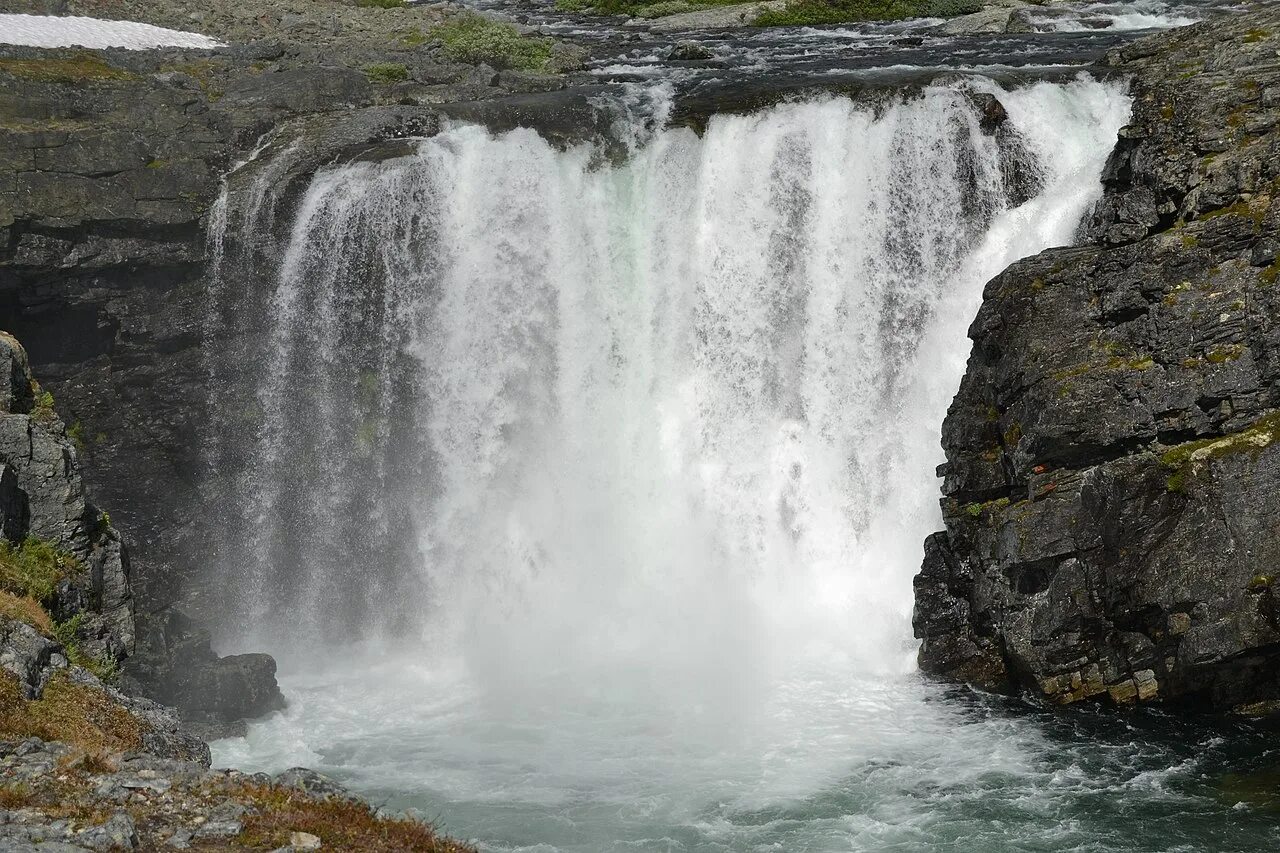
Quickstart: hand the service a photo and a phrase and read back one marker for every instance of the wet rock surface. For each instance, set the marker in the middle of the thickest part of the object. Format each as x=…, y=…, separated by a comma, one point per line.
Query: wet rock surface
x=1113, y=455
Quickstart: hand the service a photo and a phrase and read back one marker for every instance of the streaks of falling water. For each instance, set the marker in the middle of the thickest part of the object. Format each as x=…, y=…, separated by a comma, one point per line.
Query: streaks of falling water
x=671, y=421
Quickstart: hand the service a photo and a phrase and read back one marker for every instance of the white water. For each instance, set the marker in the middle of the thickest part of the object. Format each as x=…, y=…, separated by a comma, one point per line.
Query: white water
x=661, y=436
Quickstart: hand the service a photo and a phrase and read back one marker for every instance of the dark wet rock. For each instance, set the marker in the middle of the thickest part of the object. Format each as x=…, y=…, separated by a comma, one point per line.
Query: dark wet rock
x=1113, y=455
x=687, y=51
x=179, y=668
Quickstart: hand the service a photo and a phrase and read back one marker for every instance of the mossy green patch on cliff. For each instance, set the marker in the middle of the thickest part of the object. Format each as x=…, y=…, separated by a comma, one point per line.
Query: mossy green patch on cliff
x=386, y=72
x=80, y=68
x=382, y=4
x=978, y=510
x=468, y=37
x=1182, y=460
x=1256, y=35
x=34, y=568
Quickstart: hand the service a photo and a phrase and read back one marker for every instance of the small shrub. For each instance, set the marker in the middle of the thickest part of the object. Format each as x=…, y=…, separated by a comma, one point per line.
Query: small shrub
x=573, y=5
x=34, y=568
x=386, y=72
x=475, y=39
x=43, y=411
x=75, y=432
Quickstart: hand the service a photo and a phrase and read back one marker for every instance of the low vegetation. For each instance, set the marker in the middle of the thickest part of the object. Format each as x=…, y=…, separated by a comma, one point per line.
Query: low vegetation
x=85, y=717
x=386, y=72
x=29, y=576
x=34, y=568
x=382, y=4
x=819, y=12
x=80, y=68
x=796, y=13
x=339, y=824
x=472, y=38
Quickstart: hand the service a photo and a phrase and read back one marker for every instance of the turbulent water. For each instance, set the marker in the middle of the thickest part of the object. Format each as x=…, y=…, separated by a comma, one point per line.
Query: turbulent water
x=615, y=469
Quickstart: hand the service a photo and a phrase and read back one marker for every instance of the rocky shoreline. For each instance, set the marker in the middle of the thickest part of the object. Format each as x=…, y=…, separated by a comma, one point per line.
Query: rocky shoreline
x=1113, y=454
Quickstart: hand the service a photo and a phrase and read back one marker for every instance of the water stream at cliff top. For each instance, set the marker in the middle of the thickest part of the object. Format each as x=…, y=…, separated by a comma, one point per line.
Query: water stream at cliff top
x=588, y=487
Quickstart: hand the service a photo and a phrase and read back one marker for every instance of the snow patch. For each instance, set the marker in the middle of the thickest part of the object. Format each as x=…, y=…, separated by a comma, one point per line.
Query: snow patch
x=52, y=31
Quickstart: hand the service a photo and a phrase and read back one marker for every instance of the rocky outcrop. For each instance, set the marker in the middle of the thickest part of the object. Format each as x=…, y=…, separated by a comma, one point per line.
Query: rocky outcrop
x=1112, y=484
x=110, y=163
x=719, y=17
x=46, y=502
x=59, y=798
x=91, y=603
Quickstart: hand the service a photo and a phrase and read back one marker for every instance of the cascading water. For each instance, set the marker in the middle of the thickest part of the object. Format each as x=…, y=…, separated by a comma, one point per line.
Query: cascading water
x=620, y=472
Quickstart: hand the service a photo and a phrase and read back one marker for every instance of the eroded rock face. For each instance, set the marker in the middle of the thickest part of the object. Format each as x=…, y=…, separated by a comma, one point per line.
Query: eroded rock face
x=42, y=495
x=1112, y=485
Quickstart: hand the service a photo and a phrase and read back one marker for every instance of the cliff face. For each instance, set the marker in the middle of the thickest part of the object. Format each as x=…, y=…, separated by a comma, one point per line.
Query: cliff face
x=1112, y=484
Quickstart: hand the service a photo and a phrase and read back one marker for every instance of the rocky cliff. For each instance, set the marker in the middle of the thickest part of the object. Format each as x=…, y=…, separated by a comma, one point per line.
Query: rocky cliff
x=110, y=163
x=1112, y=484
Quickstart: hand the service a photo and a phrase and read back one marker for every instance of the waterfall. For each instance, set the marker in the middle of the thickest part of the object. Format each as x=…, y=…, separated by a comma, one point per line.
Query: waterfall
x=655, y=424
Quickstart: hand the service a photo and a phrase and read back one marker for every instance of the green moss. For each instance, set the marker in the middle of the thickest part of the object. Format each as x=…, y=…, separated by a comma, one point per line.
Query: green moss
x=413, y=38
x=978, y=510
x=34, y=568
x=382, y=4
x=1183, y=460
x=475, y=39
x=1268, y=276
x=1190, y=241
x=817, y=12
x=81, y=68
x=1256, y=35
x=386, y=72
x=1253, y=212
x=1222, y=355
x=1261, y=582
x=1137, y=362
